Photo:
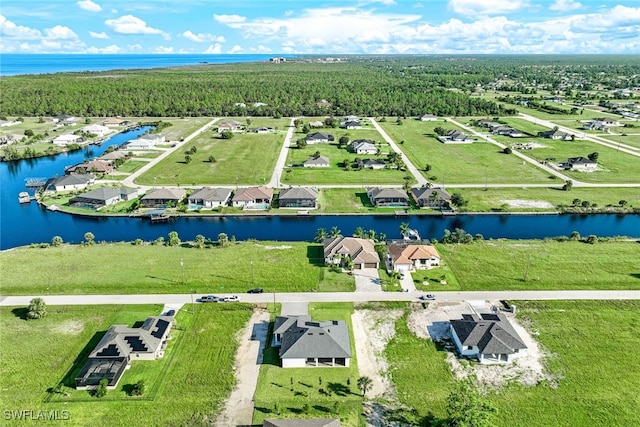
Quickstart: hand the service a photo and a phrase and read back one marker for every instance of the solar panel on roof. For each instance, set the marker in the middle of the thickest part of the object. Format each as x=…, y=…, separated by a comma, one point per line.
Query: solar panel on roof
x=161, y=327
x=135, y=343
x=110, y=350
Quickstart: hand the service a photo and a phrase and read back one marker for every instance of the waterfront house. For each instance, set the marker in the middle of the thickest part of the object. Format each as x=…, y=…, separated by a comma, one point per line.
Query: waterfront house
x=360, y=252
x=299, y=197
x=69, y=182
x=364, y=146
x=453, y=136
x=388, y=197
x=103, y=196
x=156, y=138
x=253, y=198
x=488, y=337
x=371, y=164
x=163, y=198
x=114, y=122
x=67, y=139
x=139, y=144
x=318, y=137
x=97, y=130
x=92, y=166
x=412, y=257
x=121, y=345
x=210, y=198
x=114, y=155
x=316, y=162
x=433, y=198
x=305, y=343
x=580, y=164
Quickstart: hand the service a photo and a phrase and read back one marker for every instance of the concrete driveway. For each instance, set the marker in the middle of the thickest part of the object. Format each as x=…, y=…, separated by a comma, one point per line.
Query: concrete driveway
x=367, y=280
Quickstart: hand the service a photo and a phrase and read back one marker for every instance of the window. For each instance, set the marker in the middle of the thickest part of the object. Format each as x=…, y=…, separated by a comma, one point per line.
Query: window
x=469, y=347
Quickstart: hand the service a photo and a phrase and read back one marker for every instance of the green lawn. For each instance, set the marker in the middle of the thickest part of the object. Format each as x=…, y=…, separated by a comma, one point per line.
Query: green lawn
x=631, y=137
x=493, y=199
x=292, y=388
x=501, y=265
x=336, y=174
x=247, y=158
x=128, y=269
x=196, y=378
x=180, y=127
x=132, y=166
x=585, y=354
x=613, y=166
x=479, y=162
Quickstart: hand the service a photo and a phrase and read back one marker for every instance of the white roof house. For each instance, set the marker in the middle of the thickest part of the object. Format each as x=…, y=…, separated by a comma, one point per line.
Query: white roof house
x=63, y=140
x=97, y=129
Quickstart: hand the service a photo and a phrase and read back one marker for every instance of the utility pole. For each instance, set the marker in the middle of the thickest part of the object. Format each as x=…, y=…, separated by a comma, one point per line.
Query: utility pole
x=182, y=267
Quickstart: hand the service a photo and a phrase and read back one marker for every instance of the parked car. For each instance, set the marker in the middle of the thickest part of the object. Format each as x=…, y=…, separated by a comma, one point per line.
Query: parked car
x=255, y=291
x=209, y=298
x=427, y=297
x=171, y=313
x=232, y=298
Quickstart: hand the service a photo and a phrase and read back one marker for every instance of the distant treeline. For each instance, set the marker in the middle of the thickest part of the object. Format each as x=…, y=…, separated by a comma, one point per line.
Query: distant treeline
x=371, y=88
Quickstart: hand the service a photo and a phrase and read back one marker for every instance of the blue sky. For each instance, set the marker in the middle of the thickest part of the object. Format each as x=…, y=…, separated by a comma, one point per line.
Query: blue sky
x=320, y=27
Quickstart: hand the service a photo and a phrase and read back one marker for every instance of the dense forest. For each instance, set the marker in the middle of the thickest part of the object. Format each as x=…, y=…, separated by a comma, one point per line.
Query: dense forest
x=370, y=86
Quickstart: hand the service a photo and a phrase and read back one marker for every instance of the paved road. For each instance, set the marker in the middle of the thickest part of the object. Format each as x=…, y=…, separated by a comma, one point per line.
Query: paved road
x=282, y=158
x=325, y=297
x=129, y=180
x=414, y=171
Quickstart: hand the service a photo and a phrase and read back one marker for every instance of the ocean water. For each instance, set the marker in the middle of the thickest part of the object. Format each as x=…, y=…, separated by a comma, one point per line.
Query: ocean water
x=16, y=64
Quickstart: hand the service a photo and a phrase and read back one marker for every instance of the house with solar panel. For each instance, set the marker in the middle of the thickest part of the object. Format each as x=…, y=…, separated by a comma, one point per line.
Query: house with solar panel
x=119, y=347
x=488, y=337
x=305, y=343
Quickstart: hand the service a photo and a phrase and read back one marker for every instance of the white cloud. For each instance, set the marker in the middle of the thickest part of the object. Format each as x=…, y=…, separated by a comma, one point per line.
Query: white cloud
x=565, y=5
x=88, y=5
x=60, y=33
x=261, y=49
x=101, y=35
x=202, y=37
x=108, y=49
x=486, y=7
x=11, y=30
x=236, y=49
x=164, y=49
x=229, y=19
x=129, y=24
x=214, y=48
x=288, y=12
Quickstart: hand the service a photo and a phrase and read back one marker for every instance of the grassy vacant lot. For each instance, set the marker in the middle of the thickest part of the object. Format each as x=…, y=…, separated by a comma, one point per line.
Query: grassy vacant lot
x=479, y=162
x=632, y=138
x=491, y=199
x=123, y=268
x=501, y=265
x=613, y=166
x=293, y=388
x=37, y=355
x=247, y=158
x=585, y=355
x=180, y=127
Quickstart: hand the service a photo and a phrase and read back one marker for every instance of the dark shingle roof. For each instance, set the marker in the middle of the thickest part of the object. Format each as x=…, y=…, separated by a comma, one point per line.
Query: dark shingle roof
x=298, y=193
x=491, y=333
x=211, y=194
x=316, y=339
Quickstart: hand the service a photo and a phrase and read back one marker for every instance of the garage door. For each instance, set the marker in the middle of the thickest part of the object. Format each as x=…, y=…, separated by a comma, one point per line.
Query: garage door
x=370, y=265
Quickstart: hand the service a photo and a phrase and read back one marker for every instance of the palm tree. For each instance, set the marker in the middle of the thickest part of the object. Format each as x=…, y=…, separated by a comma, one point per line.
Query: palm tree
x=359, y=232
x=371, y=234
x=321, y=234
x=335, y=232
x=404, y=229
x=364, y=384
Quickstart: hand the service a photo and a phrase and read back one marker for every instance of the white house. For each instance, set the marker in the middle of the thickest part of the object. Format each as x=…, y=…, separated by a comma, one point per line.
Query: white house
x=97, y=129
x=488, y=337
x=305, y=343
x=580, y=164
x=139, y=144
x=455, y=137
x=63, y=140
x=413, y=257
x=363, y=146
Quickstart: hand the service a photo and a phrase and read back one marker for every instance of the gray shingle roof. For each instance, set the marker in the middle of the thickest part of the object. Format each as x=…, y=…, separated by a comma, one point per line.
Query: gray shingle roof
x=165, y=194
x=306, y=338
x=359, y=250
x=298, y=193
x=491, y=333
x=320, y=160
x=211, y=194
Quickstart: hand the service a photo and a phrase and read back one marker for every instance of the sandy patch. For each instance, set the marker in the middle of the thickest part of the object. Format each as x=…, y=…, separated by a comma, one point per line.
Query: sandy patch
x=70, y=327
x=433, y=323
x=519, y=203
x=281, y=247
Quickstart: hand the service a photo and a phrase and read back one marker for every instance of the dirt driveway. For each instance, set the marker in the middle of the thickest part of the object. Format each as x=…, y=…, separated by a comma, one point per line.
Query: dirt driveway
x=239, y=406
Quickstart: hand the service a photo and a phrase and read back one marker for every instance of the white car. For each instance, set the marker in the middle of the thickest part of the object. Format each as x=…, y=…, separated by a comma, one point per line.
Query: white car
x=232, y=298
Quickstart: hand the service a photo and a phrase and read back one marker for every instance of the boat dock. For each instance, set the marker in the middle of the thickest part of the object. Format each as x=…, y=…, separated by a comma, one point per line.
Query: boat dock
x=25, y=197
x=35, y=182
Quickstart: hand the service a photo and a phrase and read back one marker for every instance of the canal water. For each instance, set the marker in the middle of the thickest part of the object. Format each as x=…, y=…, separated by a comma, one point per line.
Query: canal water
x=29, y=223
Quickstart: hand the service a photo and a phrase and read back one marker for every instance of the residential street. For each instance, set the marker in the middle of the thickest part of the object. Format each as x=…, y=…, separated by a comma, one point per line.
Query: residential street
x=282, y=158
x=325, y=297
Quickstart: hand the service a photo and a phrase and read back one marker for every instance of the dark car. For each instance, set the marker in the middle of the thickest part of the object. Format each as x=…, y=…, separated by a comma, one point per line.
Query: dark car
x=171, y=313
x=427, y=297
x=255, y=291
x=209, y=298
